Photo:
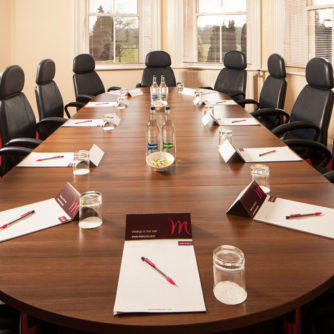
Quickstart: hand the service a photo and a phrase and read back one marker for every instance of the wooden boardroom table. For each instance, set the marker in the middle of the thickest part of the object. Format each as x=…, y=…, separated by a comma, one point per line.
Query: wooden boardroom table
x=69, y=276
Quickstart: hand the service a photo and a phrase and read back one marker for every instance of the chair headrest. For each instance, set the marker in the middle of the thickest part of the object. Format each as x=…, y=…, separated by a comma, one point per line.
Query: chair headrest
x=319, y=73
x=83, y=63
x=45, y=72
x=11, y=81
x=158, y=59
x=276, y=66
x=235, y=59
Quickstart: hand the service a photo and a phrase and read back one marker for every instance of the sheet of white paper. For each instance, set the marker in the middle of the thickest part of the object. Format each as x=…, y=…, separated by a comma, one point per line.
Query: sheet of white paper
x=31, y=160
x=238, y=121
x=46, y=215
x=83, y=122
x=115, y=92
x=135, y=92
x=101, y=104
x=275, y=213
x=282, y=154
x=220, y=102
x=188, y=91
x=149, y=291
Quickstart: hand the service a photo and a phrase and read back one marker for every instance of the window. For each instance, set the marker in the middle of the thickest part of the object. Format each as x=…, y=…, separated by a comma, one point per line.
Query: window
x=320, y=28
x=214, y=27
x=114, y=31
x=307, y=30
x=117, y=32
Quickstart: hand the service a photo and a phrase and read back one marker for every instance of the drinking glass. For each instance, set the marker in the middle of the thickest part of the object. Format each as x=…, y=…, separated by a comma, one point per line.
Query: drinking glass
x=180, y=87
x=229, y=275
x=90, y=210
x=260, y=174
x=224, y=134
x=109, y=121
x=81, y=162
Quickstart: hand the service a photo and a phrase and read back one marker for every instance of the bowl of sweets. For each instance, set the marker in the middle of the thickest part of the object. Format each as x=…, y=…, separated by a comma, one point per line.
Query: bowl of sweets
x=160, y=161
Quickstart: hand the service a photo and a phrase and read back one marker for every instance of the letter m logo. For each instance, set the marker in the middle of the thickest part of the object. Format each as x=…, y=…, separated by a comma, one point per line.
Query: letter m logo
x=176, y=227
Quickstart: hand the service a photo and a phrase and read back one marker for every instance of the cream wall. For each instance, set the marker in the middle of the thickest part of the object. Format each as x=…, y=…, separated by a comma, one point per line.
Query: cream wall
x=32, y=30
x=5, y=32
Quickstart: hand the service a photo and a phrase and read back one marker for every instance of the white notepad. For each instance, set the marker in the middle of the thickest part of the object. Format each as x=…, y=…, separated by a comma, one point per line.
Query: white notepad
x=83, y=122
x=51, y=212
x=254, y=203
x=101, y=104
x=148, y=290
x=238, y=121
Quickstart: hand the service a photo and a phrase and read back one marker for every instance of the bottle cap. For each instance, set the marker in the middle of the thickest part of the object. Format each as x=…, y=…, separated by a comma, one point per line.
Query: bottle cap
x=152, y=108
x=167, y=108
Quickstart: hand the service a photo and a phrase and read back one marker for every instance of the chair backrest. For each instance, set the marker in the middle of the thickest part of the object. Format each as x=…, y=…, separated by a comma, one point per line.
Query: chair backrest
x=158, y=63
x=274, y=87
x=315, y=102
x=232, y=78
x=48, y=97
x=17, y=119
x=86, y=80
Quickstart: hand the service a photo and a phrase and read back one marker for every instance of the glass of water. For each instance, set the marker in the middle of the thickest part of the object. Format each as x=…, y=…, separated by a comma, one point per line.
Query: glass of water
x=90, y=211
x=81, y=162
x=110, y=121
x=229, y=275
x=260, y=174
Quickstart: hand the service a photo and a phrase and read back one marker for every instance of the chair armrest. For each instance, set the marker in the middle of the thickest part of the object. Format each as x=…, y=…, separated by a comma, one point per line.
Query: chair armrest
x=271, y=117
x=283, y=129
x=330, y=176
x=206, y=87
x=48, y=125
x=248, y=101
x=24, y=142
x=11, y=156
x=114, y=88
x=317, y=153
x=138, y=85
x=84, y=98
x=78, y=105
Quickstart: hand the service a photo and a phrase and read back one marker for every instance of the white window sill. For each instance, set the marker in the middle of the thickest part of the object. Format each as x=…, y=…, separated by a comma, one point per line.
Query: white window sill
x=119, y=67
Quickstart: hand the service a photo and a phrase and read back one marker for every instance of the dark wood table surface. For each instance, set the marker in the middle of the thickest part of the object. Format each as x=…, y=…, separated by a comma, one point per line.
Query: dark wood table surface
x=69, y=276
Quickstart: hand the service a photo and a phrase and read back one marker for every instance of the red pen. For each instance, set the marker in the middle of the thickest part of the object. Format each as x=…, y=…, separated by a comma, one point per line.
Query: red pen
x=239, y=120
x=54, y=157
x=17, y=219
x=145, y=259
x=265, y=153
x=298, y=215
x=87, y=121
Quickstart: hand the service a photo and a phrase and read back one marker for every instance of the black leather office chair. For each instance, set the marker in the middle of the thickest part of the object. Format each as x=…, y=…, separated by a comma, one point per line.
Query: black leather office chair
x=49, y=100
x=233, y=77
x=87, y=82
x=157, y=63
x=17, y=120
x=312, y=110
x=272, y=93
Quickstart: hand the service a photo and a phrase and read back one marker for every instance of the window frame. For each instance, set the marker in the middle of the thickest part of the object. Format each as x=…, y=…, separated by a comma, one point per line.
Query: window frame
x=81, y=31
x=253, y=19
x=280, y=35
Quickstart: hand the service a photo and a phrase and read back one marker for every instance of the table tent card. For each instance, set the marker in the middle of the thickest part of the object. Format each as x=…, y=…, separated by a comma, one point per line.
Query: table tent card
x=254, y=203
x=59, y=159
x=41, y=215
x=260, y=154
x=159, y=249
x=83, y=123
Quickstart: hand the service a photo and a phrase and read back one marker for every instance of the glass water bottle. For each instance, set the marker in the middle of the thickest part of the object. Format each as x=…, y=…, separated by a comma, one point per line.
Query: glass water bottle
x=152, y=134
x=168, y=134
